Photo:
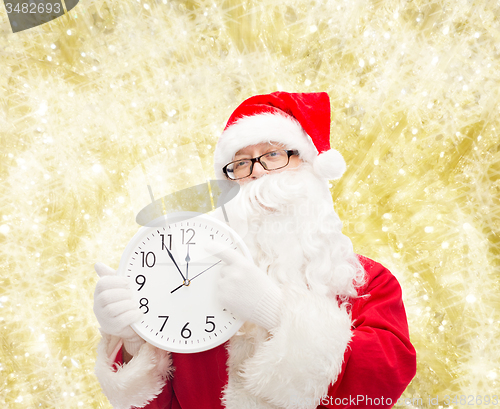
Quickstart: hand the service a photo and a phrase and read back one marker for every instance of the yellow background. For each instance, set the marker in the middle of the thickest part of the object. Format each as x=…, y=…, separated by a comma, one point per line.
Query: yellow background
x=91, y=96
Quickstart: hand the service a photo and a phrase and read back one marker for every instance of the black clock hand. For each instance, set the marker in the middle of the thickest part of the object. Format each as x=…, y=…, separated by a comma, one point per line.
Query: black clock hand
x=172, y=258
x=189, y=281
x=175, y=289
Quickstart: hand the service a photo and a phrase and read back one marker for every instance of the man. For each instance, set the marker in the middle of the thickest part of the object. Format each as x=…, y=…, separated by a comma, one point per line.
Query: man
x=324, y=328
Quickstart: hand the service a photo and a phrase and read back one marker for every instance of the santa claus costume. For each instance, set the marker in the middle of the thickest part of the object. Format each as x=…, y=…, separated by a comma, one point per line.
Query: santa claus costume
x=332, y=332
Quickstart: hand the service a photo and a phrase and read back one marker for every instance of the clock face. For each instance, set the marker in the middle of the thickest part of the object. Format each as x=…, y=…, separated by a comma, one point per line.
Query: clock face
x=174, y=280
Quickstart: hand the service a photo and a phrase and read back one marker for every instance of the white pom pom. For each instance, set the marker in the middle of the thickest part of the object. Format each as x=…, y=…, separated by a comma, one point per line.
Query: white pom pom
x=329, y=164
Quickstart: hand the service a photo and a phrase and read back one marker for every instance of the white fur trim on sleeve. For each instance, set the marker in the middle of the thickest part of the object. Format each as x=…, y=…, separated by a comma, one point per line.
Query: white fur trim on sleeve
x=136, y=383
x=295, y=367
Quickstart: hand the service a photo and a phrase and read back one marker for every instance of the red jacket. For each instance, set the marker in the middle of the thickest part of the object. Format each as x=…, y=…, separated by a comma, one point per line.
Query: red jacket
x=379, y=361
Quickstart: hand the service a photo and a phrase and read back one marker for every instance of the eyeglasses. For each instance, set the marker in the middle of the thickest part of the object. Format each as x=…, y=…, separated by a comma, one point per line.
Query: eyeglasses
x=274, y=160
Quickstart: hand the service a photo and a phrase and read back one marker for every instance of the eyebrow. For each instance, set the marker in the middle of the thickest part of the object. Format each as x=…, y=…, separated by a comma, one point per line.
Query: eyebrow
x=240, y=154
x=269, y=149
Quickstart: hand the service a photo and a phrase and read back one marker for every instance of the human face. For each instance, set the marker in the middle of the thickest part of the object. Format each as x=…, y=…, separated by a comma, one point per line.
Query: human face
x=254, y=151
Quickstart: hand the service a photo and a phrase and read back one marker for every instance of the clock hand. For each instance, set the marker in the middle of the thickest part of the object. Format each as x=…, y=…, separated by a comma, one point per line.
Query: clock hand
x=172, y=258
x=175, y=289
x=205, y=270
x=189, y=281
x=188, y=259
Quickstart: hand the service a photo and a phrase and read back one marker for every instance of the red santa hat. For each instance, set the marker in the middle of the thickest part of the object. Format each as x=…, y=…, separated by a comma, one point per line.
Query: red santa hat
x=297, y=120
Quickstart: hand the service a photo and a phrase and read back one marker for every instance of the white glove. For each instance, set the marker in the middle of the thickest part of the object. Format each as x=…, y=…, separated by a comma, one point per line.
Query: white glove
x=247, y=291
x=115, y=309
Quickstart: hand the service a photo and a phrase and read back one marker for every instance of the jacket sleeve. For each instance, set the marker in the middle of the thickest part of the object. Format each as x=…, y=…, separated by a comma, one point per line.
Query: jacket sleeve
x=140, y=383
x=380, y=361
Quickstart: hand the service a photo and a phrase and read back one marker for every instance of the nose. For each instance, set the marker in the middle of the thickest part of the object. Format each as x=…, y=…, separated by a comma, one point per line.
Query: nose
x=258, y=171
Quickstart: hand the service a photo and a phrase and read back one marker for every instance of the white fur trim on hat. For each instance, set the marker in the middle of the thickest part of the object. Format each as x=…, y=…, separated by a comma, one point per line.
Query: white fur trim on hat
x=268, y=127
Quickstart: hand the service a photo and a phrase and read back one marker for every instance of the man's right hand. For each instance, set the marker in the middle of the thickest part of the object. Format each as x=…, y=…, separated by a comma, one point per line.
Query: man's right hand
x=115, y=309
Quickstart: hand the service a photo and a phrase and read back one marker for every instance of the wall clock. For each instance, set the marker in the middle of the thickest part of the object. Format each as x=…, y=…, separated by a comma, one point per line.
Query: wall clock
x=174, y=277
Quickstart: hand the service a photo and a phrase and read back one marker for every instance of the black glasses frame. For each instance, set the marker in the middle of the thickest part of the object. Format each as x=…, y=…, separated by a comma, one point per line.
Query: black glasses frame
x=257, y=159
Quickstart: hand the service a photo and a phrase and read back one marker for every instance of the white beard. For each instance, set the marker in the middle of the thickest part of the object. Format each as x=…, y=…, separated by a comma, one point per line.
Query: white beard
x=289, y=224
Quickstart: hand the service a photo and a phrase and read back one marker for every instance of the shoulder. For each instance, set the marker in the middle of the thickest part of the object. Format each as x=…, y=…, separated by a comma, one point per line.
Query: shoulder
x=375, y=275
x=380, y=286
x=371, y=267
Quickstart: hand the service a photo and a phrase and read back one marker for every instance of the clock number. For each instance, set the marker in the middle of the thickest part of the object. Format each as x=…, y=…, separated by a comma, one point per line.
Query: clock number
x=163, y=241
x=191, y=238
x=212, y=236
x=144, y=303
x=146, y=259
x=210, y=322
x=164, y=322
x=186, y=332
x=141, y=282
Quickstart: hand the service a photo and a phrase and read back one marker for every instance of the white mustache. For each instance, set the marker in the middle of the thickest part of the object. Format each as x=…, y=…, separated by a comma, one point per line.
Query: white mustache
x=276, y=192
